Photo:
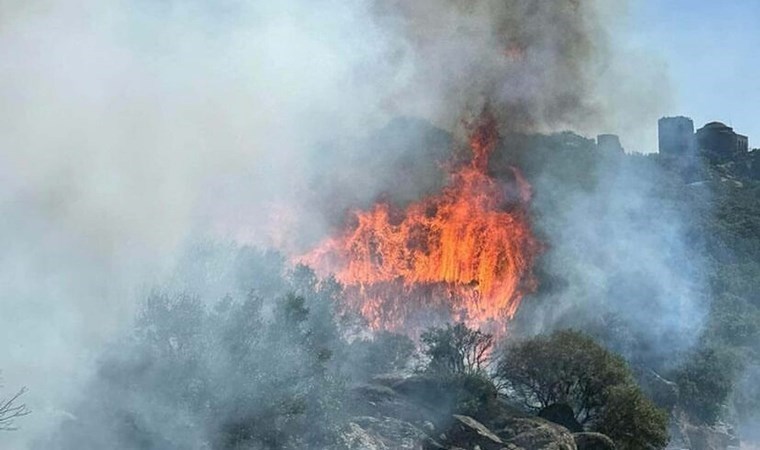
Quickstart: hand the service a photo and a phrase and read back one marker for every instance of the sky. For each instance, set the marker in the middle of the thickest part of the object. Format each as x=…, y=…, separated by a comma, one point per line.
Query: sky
x=710, y=50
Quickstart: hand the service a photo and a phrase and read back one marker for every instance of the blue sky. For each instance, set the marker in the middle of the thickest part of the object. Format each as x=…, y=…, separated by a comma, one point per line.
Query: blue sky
x=712, y=52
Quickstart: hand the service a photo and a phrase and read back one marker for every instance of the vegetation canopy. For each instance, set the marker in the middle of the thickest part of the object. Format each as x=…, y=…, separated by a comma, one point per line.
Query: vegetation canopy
x=569, y=367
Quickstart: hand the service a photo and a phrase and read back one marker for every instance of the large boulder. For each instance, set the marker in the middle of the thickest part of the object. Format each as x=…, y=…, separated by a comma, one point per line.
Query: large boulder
x=536, y=433
x=410, y=413
x=466, y=432
x=593, y=441
x=354, y=437
x=384, y=433
x=380, y=398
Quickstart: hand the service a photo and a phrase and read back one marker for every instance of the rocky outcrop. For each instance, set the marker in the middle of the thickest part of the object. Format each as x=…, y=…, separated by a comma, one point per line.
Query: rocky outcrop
x=354, y=437
x=518, y=433
x=467, y=432
x=396, y=414
x=593, y=441
x=385, y=433
x=537, y=433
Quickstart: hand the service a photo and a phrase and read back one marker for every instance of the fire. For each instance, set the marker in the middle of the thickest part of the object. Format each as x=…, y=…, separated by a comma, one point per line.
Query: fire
x=465, y=254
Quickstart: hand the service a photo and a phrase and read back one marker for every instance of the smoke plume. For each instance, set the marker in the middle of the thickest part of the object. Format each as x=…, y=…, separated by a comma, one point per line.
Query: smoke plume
x=129, y=128
x=546, y=66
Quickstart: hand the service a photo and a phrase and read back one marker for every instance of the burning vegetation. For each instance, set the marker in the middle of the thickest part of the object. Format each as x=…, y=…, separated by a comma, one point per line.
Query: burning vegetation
x=465, y=254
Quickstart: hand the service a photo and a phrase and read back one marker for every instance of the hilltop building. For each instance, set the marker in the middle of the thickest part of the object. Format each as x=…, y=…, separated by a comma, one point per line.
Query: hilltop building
x=719, y=142
x=676, y=136
x=609, y=143
x=716, y=140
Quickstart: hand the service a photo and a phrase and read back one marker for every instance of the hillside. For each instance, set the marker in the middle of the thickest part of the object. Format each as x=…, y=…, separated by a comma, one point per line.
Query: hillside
x=654, y=260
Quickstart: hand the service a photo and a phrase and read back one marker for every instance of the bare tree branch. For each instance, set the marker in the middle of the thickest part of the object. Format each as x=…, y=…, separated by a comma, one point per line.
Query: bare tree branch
x=10, y=410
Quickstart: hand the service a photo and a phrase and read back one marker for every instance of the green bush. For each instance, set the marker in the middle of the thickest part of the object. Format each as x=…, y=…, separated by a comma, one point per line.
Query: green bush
x=569, y=367
x=632, y=420
x=705, y=382
x=565, y=367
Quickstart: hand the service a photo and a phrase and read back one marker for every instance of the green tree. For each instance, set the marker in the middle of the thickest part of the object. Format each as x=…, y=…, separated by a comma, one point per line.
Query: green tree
x=705, y=382
x=247, y=372
x=565, y=367
x=632, y=420
x=571, y=368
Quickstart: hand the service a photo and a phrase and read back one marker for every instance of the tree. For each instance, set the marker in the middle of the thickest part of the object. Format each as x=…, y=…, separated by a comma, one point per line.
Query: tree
x=458, y=361
x=705, y=382
x=11, y=409
x=247, y=371
x=568, y=367
x=632, y=420
x=457, y=349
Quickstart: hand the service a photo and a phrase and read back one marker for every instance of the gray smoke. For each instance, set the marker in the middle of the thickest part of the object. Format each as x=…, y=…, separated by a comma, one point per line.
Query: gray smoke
x=623, y=257
x=129, y=127
x=544, y=66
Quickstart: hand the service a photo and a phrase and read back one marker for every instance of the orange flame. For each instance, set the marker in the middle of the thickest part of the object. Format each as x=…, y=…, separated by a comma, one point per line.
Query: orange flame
x=465, y=254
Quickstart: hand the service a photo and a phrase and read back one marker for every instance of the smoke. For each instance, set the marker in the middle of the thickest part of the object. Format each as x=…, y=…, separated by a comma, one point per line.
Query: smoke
x=747, y=400
x=545, y=66
x=623, y=259
x=128, y=128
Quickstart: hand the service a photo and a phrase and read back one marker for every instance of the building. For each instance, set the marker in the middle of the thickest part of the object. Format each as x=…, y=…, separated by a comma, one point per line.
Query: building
x=719, y=142
x=609, y=143
x=742, y=143
x=676, y=136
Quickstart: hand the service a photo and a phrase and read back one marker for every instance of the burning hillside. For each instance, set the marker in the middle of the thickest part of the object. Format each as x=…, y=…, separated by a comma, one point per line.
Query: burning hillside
x=465, y=254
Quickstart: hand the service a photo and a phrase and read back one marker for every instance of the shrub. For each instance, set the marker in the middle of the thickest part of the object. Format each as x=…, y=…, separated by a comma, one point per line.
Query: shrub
x=705, y=382
x=566, y=367
x=456, y=349
x=569, y=367
x=632, y=420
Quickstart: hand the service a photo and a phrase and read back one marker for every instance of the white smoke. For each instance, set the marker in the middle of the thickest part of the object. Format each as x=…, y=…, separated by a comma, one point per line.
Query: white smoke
x=130, y=126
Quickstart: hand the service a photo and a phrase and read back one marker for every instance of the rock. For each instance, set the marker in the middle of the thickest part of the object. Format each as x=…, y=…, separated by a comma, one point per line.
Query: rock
x=373, y=433
x=509, y=446
x=374, y=392
x=478, y=427
x=354, y=437
x=403, y=413
x=593, y=441
x=561, y=414
x=468, y=432
x=537, y=434
x=378, y=398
